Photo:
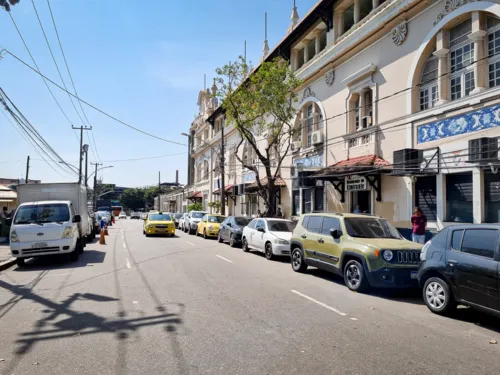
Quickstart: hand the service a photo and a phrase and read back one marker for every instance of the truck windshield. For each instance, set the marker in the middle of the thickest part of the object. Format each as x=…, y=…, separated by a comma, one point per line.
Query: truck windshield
x=42, y=213
x=371, y=228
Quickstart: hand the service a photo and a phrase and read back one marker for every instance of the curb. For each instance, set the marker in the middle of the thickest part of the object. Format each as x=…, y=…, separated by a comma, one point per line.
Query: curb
x=8, y=263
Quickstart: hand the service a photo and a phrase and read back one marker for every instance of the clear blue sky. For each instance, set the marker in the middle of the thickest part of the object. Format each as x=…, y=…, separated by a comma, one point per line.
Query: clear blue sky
x=141, y=61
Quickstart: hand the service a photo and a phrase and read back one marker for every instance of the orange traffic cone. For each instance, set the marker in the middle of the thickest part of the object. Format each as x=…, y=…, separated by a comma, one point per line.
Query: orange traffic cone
x=106, y=231
x=102, y=238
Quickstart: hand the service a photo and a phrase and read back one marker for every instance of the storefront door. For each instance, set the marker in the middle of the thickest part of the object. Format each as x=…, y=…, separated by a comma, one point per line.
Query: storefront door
x=361, y=200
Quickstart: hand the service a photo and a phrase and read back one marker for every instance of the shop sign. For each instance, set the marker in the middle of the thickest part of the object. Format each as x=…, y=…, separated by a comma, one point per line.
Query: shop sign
x=356, y=183
x=310, y=162
x=249, y=177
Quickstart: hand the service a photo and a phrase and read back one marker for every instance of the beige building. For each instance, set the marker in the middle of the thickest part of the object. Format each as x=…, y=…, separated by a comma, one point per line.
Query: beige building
x=400, y=107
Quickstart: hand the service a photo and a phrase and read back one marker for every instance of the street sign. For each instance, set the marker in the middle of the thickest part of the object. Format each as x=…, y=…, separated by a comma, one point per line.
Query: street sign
x=356, y=183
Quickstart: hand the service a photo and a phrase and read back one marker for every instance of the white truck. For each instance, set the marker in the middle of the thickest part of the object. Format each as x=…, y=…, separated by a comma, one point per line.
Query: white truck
x=51, y=219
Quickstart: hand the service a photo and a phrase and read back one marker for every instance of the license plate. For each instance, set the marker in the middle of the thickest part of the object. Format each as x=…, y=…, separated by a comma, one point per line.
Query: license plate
x=414, y=274
x=39, y=244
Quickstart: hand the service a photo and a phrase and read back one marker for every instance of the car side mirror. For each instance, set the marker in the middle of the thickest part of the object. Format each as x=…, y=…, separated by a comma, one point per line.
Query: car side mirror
x=335, y=233
x=261, y=230
x=229, y=224
x=77, y=219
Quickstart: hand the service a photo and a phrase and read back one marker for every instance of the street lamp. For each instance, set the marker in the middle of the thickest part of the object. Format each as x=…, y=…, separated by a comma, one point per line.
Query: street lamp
x=221, y=166
x=95, y=181
x=69, y=165
x=97, y=170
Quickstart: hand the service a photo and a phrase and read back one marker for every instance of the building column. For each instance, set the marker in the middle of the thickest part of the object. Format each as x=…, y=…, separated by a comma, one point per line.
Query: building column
x=478, y=195
x=356, y=11
x=477, y=36
x=374, y=105
x=295, y=60
x=440, y=200
x=339, y=27
x=375, y=3
x=317, y=41
x=301, y=200
x=442, y=56
x=306, y=50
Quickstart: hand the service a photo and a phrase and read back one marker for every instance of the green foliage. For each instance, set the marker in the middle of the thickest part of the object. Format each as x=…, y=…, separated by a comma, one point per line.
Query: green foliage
x=133, y=198
x=216, y=205
x=195, y=207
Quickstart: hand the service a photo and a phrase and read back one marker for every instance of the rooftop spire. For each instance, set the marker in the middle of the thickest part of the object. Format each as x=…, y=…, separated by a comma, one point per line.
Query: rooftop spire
x=294, y=18
x=265, y=49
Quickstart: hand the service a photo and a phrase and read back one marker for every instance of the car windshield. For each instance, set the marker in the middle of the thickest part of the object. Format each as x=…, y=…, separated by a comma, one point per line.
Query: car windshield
x=177, y=216
x=215, y=219
x=197, y=215
x=103, y=213
x=242, y=221
x=370, y=228
x=42, y=213
x=280, y=226
x=159, y=217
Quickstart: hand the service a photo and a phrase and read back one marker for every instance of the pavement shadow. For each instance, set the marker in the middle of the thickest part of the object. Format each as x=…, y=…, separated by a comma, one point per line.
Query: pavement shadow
x=277, y=258
x=476, y=317
x=59, y=320
x=50, y=262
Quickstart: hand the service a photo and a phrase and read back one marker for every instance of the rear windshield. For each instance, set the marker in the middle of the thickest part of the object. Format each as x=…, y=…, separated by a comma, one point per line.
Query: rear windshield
x=158, y=217
x=371, y=228
x=280, y=226
x=197, y=215
x=42, y=213
x=177, y=216
x=243, y=221
x=215, y=219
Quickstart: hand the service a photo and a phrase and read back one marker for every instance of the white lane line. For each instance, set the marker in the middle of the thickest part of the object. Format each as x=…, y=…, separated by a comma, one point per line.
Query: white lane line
x=189, y=243
x=128, y=264
x=319, y=303
x=227, y=260
x=353, y=319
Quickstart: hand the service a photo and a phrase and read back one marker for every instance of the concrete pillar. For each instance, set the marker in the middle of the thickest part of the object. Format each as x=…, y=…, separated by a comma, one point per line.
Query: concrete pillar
x=295, y=59
x=357, y=11
x=440, y=200
x=375, y=3
x=306, y=50
x=317, y=41
x=477, y=36
x=339, y=29
x=442, y=50
x=478, y=195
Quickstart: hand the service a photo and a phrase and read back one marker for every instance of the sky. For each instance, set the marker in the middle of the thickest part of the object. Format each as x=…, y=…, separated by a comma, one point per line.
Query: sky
x=142, y=62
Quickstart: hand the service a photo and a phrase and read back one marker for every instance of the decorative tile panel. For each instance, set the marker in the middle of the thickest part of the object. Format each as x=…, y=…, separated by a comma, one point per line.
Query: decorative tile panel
x=486, y=118
x=312, y=161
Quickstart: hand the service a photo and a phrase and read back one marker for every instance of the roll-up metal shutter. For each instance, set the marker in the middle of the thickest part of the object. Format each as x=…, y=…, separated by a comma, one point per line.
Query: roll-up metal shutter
x=425, y=196
x=459, y=197
x=492, y=197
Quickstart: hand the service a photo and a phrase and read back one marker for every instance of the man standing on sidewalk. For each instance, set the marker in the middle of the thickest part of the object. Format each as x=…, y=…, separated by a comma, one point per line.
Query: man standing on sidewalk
x=418, y=222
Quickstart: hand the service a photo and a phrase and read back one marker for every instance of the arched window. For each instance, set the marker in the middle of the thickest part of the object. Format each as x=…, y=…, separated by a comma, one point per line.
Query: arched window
x=429, y=84
x=309, y=120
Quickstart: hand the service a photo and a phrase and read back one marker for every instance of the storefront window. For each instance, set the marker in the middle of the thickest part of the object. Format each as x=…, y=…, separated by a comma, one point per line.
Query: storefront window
x=459, y=198
x=318, y=199
x=307, y=200
x=296, y=202
x=492, y=197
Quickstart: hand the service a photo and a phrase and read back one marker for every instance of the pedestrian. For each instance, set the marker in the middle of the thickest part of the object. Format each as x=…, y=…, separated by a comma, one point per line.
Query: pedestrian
x=259, y=214
x=419, y=222
x=279, y=213
x=357, y=210
x=4, y=214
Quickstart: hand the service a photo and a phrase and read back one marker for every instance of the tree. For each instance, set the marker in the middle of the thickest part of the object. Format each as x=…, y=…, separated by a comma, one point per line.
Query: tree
x=195, y=207
x=216, y=205
x=133, y=198
x=260, y=106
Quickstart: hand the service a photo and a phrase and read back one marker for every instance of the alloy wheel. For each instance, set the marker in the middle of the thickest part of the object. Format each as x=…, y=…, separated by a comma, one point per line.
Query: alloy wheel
x=435, y=295
x=296, y=260
x=231, y=240
x=353, y=275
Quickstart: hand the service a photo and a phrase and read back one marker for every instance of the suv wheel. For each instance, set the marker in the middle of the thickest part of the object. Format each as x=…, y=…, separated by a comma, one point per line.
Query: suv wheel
x=354, y=276
x=219, y=238
x=246, y=249
x=437, y=296
x=231, y=240
x=297, y=260
x=269, y=251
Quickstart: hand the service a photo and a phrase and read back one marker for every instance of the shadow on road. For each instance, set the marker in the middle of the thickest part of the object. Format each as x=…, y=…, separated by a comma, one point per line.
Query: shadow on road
x=280, y=259
x=51, y=262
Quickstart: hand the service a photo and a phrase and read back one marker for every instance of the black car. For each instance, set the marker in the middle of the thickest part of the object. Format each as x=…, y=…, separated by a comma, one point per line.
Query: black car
x=460, y=265
x=232, y=228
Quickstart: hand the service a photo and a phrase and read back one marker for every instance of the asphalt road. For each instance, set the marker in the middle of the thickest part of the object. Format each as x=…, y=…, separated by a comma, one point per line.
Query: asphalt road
x=186, y=305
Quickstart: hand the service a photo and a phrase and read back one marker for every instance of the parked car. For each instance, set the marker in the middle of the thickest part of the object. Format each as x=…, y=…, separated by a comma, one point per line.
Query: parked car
x=106, y=215
x=177, y=217
x=182, y=222
x=270, y=236
x=231, y=229
x=209, y=225
x=158, y=224
x=192, y=220
x=135, y=215
x=144, y=215
x=122, y=215
x=460, y=265
x=366, y=250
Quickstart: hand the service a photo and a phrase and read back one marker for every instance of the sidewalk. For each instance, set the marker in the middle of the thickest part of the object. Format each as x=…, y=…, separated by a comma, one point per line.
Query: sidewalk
x=6, y=259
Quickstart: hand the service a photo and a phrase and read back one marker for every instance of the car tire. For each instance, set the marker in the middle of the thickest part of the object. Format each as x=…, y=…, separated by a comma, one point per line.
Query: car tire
x=297, y=261
x=246, y=249
x=20, y=262
x=438, y=297
x=232, y=243
x=219, y=238
x=268, y=251
x=73, y=256
x=205, y=234
x=354, y=276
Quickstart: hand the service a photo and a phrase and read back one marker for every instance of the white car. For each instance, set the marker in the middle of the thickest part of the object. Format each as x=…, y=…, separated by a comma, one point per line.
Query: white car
x=192, y=220
x=182, y=221
x=122, y=215
x=270, y=236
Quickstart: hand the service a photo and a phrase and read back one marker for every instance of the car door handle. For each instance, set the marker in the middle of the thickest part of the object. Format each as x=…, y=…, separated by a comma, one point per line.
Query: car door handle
x=303, y=236
x=321, y=240
x=452, y=262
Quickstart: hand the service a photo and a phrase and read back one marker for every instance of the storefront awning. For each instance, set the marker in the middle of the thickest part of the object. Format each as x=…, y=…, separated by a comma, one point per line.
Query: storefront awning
x=196, y=195
x=278, y=181
x=7, y=200
x=227, y=189
x=362, y=165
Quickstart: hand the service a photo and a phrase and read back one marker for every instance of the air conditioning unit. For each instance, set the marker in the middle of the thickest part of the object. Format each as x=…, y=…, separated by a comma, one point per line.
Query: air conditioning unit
x=241, y=189
x=407, y=161
x=483, y=149
x=234, y=190
x=295, y=146
x=317, y=137
x=366, y=121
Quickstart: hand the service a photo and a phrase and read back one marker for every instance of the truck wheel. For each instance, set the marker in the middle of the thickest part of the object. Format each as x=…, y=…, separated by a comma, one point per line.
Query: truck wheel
x=20, y=262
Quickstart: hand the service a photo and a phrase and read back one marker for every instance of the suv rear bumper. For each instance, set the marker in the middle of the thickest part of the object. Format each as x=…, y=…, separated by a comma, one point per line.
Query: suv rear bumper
x=393, y=278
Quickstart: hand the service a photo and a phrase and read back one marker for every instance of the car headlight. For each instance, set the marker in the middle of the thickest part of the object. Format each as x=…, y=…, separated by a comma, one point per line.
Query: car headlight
x=68, y=232
x=423, y=254
x=281, y=242
x=149, y=226
x=13, y=236
x=387, y=255
x=210, y=227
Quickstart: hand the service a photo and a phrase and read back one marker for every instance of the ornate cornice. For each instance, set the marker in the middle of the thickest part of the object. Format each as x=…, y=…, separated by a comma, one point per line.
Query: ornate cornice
x=450, y=6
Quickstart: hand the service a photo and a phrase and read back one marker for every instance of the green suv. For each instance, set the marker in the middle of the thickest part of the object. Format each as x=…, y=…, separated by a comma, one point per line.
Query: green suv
x=366, y=250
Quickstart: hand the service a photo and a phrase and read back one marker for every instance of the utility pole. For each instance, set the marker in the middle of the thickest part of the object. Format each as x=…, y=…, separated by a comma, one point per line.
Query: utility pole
x=95, y=185
x=86, y=166
x=222, y=175
x=27, y=168
x=159, y=191
x=82, y=128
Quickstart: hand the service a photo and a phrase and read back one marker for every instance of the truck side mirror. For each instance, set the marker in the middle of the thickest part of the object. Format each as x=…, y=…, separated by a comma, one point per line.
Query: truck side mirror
x=77, y=219
x=335, y=233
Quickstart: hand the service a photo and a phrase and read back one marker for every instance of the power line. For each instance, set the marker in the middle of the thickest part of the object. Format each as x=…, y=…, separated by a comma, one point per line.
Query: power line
x=138, y=159
x=91, y=105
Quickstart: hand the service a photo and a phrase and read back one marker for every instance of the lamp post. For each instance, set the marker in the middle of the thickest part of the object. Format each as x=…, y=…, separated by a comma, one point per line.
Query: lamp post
x=95, y=181
x=221, y=166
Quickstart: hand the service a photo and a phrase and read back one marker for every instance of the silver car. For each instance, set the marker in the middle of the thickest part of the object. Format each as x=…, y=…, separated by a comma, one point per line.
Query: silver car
x=192, y=220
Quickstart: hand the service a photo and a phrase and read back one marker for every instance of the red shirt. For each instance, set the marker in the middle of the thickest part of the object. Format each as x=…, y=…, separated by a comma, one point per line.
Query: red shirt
x=419, y=223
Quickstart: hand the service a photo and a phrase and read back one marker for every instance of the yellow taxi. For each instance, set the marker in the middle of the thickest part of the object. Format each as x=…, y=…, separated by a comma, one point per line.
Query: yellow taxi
x=209, y=225
x=158, y=224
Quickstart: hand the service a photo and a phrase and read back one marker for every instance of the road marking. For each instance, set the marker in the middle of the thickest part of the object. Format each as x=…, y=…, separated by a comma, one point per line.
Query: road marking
x=189, y=243
x=128, y=264
x=319, y=303
x=353, y=319
x=227, y=260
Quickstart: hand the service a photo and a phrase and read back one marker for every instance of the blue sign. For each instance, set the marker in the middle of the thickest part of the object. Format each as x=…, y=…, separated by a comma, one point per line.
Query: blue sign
x=311, y=161
x=485, y=118
x=249, y=177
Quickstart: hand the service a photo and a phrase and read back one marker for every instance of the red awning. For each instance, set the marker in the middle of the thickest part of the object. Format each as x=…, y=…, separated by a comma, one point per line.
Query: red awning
x=227, y=190
x=196, y=194
x=278, y=181
x=368, y=164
